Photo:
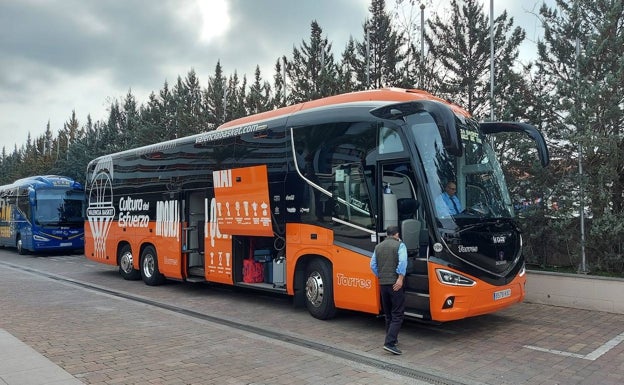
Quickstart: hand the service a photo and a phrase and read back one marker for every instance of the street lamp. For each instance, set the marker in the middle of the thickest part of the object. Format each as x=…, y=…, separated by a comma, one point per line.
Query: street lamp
x=422, y=45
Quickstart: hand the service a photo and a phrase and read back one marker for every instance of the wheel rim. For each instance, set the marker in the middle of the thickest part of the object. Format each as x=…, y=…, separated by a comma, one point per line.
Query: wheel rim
x=148, y=266
x=314, y=289
x=19, y=245
x=125, y=262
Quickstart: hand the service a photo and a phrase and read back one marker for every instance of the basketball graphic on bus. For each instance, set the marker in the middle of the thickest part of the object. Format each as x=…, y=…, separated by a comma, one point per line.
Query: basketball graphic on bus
x=100, y=211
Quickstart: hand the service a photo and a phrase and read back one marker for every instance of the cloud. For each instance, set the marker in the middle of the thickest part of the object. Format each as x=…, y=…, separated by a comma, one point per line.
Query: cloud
x=62, y=55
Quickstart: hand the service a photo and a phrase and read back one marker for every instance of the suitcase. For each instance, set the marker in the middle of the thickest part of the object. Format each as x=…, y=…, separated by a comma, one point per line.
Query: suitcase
x=263, y=255
x=279, y=272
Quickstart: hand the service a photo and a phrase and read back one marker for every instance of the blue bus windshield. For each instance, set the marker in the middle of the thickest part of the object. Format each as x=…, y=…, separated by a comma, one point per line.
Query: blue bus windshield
x=59, y=207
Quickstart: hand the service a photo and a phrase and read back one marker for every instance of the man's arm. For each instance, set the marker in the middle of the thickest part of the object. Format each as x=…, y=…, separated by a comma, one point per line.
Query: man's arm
x=373, y=264
x=401, y=268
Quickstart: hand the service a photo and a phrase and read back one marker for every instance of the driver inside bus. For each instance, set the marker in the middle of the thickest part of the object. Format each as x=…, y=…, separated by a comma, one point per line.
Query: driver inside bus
x=447, y=203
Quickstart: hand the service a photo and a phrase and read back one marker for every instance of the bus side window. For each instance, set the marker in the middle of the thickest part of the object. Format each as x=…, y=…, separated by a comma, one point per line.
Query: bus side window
x=351, y=198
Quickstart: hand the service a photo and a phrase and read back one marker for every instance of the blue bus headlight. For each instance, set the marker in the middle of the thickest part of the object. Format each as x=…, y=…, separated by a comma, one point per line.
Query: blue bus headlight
x=451, y=278
x=39, y=238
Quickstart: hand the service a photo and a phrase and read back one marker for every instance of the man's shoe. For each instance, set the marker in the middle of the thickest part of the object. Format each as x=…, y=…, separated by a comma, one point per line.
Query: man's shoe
x=393, y=349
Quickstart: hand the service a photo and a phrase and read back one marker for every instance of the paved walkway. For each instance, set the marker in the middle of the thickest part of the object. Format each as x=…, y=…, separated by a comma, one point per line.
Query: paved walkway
x=22, y=365
x=104, y=339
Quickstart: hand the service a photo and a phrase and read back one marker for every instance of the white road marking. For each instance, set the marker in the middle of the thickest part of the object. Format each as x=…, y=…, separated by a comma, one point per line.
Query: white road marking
x=593, y=356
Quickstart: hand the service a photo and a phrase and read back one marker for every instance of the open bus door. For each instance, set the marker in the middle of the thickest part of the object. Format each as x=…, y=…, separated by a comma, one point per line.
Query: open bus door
x=401, y=207
x=193, y=233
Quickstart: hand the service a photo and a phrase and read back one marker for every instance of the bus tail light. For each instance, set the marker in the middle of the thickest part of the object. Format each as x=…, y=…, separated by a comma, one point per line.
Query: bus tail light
x=451, y=278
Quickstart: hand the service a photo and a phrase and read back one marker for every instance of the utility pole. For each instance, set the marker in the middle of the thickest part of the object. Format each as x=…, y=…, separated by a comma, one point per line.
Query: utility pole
x=583, y=268
x=422, y=45
x=367, y=55
x=284, y=61
x=577, y=108
x=492, y=60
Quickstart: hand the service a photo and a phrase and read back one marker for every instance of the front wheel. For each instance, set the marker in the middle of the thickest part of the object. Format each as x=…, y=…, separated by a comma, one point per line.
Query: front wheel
x=319, y=290
x=149, y=267
x=126, y=268
x=19, y=244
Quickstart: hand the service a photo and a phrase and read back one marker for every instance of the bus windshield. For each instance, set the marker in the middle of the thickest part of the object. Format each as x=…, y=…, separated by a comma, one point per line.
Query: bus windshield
x=462, y=188
x=59, y=207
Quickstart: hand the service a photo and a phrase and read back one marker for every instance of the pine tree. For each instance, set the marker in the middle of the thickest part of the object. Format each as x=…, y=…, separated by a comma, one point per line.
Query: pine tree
x=258, y=99
x=215, y=98
x=189, y=116
x=312, y=70
x=347, y=71
x=380, y=57
x=152, y=122
x=130, y=122
x=279, y=96
x=462, y=45
x=587, y=101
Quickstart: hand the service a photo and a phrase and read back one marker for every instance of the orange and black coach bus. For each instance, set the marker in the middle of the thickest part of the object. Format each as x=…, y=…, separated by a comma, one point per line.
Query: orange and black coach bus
x=294, y=201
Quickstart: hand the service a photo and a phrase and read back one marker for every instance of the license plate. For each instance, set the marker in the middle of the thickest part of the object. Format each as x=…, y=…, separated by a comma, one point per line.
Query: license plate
x=502, y=294
x=63, y=244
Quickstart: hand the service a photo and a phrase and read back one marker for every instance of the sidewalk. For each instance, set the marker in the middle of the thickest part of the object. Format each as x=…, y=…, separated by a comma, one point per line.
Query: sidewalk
x=22, y=365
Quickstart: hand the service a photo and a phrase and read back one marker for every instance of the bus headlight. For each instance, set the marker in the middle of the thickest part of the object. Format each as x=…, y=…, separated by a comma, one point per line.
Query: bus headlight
x=39, y=238
x=451, y=278
x=522, y=270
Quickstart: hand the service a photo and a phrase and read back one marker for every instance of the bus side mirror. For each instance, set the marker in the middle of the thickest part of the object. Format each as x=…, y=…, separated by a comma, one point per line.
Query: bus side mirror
x=538, y=138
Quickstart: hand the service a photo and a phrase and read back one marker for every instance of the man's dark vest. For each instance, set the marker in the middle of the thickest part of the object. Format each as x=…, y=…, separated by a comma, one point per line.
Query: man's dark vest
x=387, y=254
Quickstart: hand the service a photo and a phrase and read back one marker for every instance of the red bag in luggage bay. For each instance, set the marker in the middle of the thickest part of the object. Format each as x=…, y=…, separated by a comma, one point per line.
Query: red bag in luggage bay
x=253, y=272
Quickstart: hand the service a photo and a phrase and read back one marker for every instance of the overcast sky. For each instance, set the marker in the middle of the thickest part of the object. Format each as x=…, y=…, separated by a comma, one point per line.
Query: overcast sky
x=59, y=56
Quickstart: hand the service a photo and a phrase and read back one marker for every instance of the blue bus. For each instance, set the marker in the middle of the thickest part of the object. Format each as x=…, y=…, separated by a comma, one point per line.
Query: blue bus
x=42, y=214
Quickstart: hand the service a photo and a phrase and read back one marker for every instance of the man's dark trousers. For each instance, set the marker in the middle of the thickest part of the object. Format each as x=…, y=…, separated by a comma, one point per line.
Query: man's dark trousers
x=393, y=303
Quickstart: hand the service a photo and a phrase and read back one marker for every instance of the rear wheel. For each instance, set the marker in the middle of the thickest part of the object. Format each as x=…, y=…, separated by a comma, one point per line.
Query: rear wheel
x=149, y=267
x=126, y=268
x=319, y=290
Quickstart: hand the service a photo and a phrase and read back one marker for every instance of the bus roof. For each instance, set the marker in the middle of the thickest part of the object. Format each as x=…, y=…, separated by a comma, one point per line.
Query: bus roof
x=380, y=95
x=39, y=181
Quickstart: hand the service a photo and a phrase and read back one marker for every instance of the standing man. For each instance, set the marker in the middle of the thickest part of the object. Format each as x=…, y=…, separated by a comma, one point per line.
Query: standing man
x=388, y=264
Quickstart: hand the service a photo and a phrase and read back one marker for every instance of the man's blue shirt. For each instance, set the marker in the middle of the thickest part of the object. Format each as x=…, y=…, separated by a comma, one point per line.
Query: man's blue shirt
x=448, y=204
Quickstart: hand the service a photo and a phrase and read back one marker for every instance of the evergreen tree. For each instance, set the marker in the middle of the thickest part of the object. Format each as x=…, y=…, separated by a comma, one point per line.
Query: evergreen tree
x=312, y=70
x=215, y=97
x=189, y=109
x=380, y=57
x=238, y=94
x=347, y=71
x=279, y=96
x=462, y=45
x=130, y=121
x=258, y=99
x=587, y=102
x=152, y=128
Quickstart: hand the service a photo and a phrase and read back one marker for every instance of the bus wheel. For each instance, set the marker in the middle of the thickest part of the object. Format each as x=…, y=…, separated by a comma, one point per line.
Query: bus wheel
x=20, y=246
x=149, y=267
x=126, y=269
x=319, y=290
